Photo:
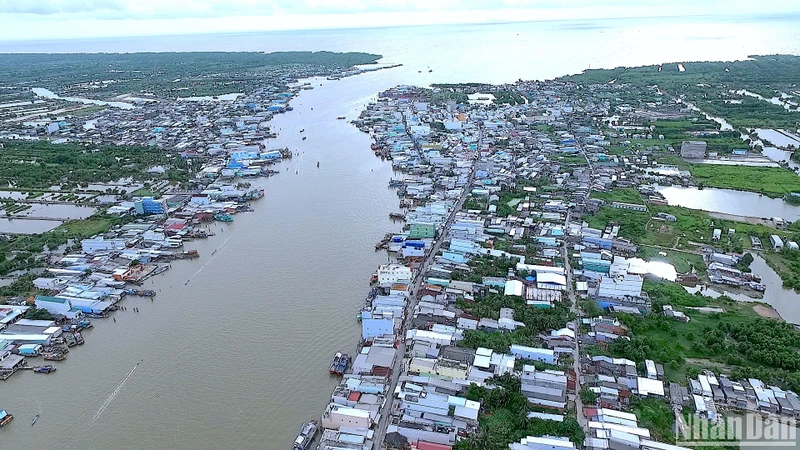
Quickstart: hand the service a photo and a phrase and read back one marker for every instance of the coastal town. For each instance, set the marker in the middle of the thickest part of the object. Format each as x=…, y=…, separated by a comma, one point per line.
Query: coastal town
x=514, y=310
x=548, y=289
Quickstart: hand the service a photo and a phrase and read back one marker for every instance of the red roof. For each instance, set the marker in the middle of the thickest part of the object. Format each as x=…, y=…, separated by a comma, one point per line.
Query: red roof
x=354, y=396
x=422, y=445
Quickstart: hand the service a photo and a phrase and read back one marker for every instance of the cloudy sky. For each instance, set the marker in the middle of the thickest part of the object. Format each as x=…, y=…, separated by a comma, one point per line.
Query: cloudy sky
x=66, y=19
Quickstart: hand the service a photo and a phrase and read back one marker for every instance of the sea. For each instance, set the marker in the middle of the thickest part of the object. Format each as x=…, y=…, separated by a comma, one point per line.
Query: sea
x=233, y=352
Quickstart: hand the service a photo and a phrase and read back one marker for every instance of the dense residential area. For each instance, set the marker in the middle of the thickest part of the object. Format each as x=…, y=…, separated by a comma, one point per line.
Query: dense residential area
x=546, y=294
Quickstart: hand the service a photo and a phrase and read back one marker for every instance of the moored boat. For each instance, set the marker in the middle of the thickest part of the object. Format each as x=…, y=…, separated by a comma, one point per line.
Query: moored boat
x=306, y=436
x=335, y=362
x=344, y=363
x=5, y=417
x=54, y=356
x=44, y=369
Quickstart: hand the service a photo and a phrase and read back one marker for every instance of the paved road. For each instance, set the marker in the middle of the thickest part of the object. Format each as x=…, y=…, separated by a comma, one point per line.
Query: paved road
x=397, y=369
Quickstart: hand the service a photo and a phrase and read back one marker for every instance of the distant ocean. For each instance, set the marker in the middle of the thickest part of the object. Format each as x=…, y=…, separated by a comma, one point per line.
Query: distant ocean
x=494, y=53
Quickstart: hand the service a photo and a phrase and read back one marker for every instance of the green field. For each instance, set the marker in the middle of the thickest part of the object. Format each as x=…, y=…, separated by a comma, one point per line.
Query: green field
x=170, y=74
x=691, y=226
x=39, y=165
x=771, y=181
x=625, y=195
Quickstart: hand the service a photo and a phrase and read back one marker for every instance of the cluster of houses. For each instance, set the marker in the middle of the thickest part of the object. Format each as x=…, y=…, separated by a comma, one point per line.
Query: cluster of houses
x=92, y=277
x=712, y=394
x=190, y=125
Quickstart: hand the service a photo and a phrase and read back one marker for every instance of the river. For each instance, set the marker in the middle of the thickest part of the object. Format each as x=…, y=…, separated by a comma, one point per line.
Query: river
x=237, y=357
x=729, y=201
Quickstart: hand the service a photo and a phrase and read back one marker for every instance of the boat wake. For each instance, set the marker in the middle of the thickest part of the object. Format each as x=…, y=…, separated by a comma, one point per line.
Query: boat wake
x=80, y=422
x=216, y=253
x=114, y=393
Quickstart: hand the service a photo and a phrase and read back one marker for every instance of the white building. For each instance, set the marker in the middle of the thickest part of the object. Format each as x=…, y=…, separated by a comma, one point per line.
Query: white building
x=337, y=416
x=389, y=274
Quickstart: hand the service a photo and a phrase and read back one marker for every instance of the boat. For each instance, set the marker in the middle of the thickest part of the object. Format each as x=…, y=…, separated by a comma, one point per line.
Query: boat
x=161, y=269
x=397, y=216
x=304, y=137
x=5, y=418
x=54, y=356
x=35, y=418
x=344, y=363
x=306, y=436
x=44, y=369
x=302, y=130
x=335, y=362
x=317, y=163
x=222, y=217
x=78, y=338
x=341, y=118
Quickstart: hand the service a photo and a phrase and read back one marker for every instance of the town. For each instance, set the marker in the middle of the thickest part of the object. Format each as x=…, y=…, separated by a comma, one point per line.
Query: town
x=538, y=259
x=553, y=286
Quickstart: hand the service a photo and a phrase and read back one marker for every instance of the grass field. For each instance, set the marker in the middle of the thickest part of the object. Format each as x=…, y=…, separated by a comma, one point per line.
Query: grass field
x=770, y=181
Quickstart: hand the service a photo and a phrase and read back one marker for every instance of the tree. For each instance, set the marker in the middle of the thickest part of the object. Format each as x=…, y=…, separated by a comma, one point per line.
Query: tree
x=34, y=313
x=588, y=397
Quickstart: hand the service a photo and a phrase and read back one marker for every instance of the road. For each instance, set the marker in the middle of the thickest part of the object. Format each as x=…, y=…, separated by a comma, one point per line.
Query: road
x=577, y=327
x=380, y=430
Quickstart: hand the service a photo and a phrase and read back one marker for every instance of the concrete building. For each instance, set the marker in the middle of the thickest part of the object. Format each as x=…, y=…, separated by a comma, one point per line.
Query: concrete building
x=389, y=274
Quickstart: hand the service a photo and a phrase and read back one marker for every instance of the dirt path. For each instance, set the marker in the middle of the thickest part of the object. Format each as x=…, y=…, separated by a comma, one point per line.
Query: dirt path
x=767, y=311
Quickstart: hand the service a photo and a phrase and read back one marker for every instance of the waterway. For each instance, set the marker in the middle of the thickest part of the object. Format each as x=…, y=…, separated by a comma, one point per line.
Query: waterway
x=784, y=300
x=237, y=357
x=46, y=93
x=729, y=201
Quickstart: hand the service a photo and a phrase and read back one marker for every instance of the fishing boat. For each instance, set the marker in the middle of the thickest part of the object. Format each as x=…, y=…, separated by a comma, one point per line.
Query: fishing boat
x=341, y=117
x=35, y=418
x=222, y=217
x=335, y=362
x=306, y=436
x=304, y=137
x=5, y=418
x=44, y=369
x=78, y=338
x=54, y=356
x=344, y=363
x=302, y=130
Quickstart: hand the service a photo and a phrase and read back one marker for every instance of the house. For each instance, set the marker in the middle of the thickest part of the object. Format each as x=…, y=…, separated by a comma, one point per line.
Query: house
x=338, y=416
x=693, y=149
x=54, y=305
x=534, y=354
x=544, y=388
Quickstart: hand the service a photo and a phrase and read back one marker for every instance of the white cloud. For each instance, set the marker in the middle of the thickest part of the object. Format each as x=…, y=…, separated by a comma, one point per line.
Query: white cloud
x=56, y=19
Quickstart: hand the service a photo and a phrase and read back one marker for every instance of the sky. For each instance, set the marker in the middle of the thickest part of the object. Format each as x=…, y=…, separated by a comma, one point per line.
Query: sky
x=22, y=20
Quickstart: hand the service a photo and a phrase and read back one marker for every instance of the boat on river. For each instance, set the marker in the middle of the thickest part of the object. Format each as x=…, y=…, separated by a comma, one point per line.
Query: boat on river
x=343, y=364
x=44, y=369
x=341, y=118
x=335, y=362
x=222, y=217
x=5, y=418
x=306, y=436
x=35, y=418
